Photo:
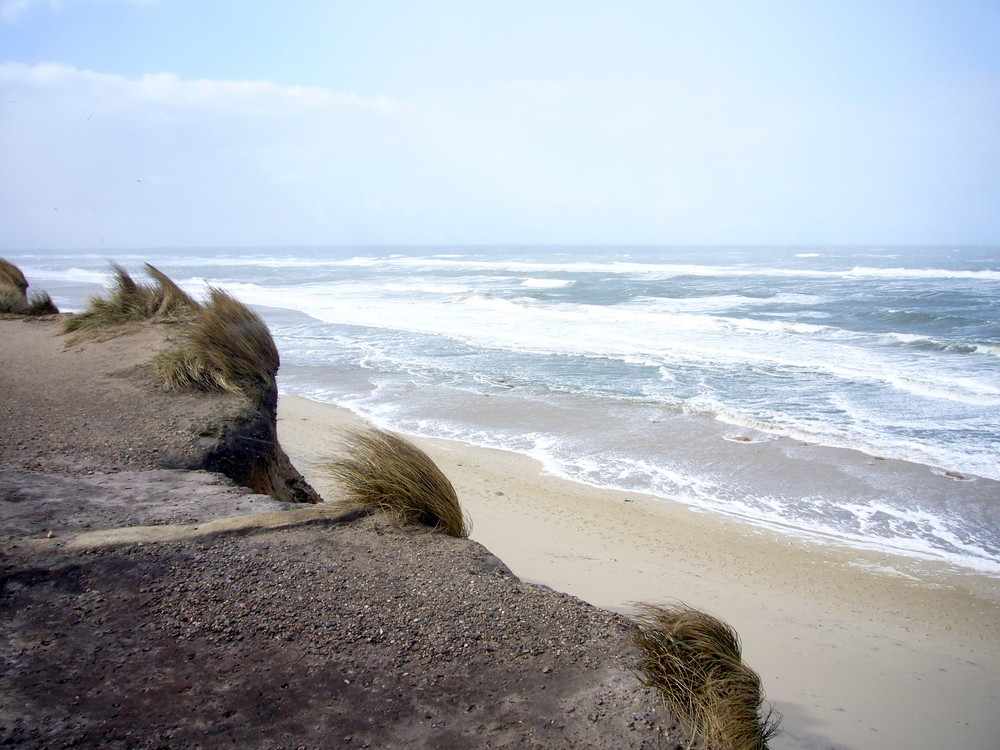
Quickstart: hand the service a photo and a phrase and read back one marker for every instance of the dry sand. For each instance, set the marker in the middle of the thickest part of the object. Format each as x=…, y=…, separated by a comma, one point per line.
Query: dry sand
x=859, y=650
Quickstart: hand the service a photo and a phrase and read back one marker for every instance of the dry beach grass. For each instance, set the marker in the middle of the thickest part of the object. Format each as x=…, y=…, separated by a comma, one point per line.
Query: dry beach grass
x=385, y=472
x=11, y=275
x=223, y=344
x=130, y=303
x=14, y=297
x=694, y=660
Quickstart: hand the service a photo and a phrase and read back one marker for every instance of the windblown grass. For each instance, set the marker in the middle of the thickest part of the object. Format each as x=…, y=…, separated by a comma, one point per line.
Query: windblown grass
x=169, y=299
x=41, y=304
x=225, y=347
x=131, y=303
x=390, y=474
x=11, y=276
x=693, y=660
x=12, y=300
x=14, y=297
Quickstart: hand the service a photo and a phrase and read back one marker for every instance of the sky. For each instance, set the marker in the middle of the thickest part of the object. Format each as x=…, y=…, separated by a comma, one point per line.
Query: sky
x=163, y=123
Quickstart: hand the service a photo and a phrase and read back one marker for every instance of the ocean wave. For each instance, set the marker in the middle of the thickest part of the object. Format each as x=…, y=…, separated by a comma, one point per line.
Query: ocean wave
x=872, y=524
x=651, y=269
x=673, y=270
x=779, y=327
x=956, y=388
x=716, y=303
x=865, y=522
x=37, y=276
x=547, y=283
x=929, y=343
x=426, y=287
x=645, y=325
x=639, y=332
x=769, y=422
x=922, y=273
x=863, y=431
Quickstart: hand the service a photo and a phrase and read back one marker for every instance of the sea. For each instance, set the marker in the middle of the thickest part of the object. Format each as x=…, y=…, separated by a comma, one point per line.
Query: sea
x=848, y=395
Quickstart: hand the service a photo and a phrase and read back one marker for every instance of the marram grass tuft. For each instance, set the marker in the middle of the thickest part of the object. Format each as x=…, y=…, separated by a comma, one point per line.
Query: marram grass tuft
x=14, y=296
x=13, y=300
x=388, y=473
x=131, y=303
x=226, y=347
x=222, y=344
x=11, y=276
x=693, y=660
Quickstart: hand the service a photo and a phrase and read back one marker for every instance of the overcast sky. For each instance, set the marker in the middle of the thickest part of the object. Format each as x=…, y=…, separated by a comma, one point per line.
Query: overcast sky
x=138, y=123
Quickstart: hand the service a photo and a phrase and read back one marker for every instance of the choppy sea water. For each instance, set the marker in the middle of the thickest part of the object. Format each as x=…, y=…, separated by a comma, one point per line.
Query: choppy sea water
x=846, y=393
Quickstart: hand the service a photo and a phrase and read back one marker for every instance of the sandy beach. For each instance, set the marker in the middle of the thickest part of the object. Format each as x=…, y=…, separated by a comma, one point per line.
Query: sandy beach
x=857, y=649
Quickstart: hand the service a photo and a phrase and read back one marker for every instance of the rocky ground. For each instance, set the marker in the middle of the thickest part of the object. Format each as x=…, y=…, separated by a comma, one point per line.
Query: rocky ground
x=234, y=630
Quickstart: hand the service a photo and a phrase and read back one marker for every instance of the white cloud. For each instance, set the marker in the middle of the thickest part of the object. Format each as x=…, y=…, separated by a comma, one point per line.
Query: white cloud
x=92, y=158
x=12, y=11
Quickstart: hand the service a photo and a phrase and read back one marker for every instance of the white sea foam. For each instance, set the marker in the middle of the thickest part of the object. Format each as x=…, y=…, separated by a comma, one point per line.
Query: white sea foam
x=37, y=276
x=719, y=303
x=871, y=524
x=923, y=273
x=643, y=329
x=547, y=283
x=614, y=268
x=963, y=390
x=428, y=287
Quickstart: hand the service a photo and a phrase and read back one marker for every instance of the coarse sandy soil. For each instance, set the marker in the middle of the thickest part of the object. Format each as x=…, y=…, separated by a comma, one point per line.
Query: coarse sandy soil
x=146, y=603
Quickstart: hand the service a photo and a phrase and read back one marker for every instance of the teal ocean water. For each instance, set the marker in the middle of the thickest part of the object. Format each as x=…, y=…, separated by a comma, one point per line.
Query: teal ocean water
x=847, y=393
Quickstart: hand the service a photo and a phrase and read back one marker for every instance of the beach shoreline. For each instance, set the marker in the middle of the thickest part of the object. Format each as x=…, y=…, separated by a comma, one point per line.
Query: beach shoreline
x=793, y=402
x=858, y=649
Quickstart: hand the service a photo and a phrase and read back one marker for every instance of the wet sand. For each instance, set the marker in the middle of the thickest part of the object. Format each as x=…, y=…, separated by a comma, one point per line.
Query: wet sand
x=857, y=649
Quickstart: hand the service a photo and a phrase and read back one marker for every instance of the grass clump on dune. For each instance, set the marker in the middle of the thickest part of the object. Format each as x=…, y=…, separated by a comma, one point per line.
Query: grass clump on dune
x=222, y=344
x=14, y=294
x=41, y=304
x=388, y=473
x=694, y=661
x=131, y=303
x=13, y=301
x=11, y=276
x=225, y=347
